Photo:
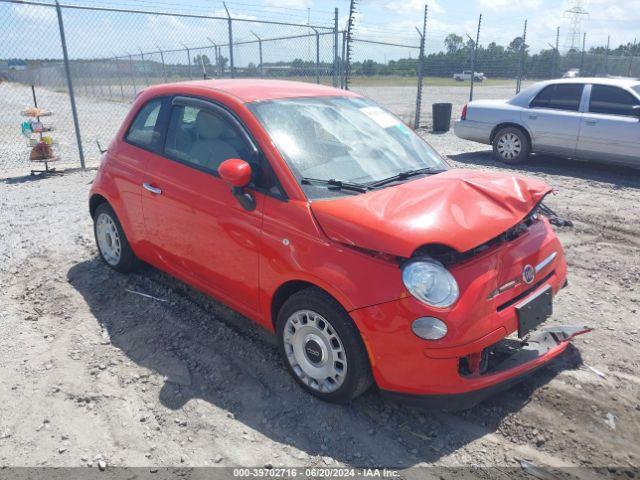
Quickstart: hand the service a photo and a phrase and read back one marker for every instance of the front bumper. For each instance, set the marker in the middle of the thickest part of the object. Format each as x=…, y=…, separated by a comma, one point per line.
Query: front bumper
x=540, y=348
x=480, y=322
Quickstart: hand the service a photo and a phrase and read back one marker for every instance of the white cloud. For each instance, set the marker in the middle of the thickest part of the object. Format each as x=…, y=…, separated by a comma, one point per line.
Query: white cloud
x=287, y=3
x=512, y=5
x=413, y=6
x=34, y=14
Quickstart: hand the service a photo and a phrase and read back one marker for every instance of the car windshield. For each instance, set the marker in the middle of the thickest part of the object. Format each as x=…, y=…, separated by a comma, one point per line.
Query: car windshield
x=343, y=139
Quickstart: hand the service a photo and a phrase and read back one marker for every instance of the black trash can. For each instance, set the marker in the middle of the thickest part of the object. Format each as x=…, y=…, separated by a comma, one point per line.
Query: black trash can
x=441, y=117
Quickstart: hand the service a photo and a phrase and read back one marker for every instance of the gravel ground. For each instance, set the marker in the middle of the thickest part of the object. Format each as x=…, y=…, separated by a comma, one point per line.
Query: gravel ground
x=93, y=373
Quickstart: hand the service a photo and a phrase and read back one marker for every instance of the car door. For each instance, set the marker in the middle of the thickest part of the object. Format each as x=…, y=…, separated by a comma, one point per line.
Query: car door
x=553, y=118
x=198, y=229
x=610, y=128
x=128, y=163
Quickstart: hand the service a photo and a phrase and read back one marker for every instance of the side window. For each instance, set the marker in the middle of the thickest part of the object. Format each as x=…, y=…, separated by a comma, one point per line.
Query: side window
x=611, y=101
x=203, y=138
x=144, y=131
x=566, y=97
x=562, y=96
x=542, y=99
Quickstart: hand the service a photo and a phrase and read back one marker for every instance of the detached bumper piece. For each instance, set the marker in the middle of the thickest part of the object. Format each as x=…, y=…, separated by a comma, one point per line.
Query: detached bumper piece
x=498, y=368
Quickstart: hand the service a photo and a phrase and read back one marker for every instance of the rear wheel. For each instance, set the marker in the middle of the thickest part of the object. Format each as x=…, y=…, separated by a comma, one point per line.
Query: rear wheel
x=511, y=145
x=322, y=348
x=112, y=243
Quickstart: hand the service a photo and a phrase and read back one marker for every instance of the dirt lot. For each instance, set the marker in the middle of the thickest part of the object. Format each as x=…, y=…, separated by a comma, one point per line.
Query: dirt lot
x=92, y=372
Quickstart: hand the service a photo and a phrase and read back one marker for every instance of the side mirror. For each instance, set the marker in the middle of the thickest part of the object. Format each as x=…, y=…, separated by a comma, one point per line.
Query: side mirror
x=237, y=173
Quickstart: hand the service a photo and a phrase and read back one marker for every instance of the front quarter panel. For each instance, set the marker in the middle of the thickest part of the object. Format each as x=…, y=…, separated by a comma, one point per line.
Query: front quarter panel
x=293, y=248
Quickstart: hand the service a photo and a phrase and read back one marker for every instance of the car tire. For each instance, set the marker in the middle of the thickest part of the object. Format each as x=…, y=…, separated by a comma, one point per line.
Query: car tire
x=511, y=145
x=111, y=241
x=322, y=347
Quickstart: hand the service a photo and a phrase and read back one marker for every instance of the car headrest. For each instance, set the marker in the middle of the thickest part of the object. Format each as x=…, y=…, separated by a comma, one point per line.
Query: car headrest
x=208, y=125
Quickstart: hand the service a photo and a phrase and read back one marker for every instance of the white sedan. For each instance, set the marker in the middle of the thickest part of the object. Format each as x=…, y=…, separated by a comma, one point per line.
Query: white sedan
x=585, y=118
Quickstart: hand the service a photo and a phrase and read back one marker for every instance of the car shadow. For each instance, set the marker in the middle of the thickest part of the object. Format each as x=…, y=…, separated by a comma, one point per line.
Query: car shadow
x=620, y=176
x=43, y=176
x=206, y=351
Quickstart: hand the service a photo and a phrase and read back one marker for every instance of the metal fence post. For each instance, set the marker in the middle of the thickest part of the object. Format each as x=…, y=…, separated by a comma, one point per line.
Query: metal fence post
x=342, y=69
x=144, y=68
x=523, y=52
x=606, y=57
x=109, y=82
x=164, y=73
x=259, y=53
x=119, y=76
x=230, y=28
x=188, y=60
x=133, y=76
x=335, y=48
x=416, y=121
x=350, y=25
x=317, y=54
x=474, y=58
x=216, y=54
x=556, y=63
x=584, y=42
x=72, y=98
x=631, y=50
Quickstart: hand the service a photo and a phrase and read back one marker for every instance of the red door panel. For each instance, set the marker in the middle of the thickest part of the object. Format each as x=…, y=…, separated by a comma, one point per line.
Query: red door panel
x=198, y=230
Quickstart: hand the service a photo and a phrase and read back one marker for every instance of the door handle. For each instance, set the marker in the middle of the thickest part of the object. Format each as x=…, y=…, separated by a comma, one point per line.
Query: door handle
x=152, y=189
x=533, y=116
x=590, y=122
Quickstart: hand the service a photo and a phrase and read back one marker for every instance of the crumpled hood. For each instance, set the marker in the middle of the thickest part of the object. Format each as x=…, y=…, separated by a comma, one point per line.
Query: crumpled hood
x=458, y=208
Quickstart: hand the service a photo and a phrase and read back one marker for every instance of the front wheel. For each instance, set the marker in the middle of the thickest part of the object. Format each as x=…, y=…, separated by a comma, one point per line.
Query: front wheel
x=511, y=145
x=322, y=348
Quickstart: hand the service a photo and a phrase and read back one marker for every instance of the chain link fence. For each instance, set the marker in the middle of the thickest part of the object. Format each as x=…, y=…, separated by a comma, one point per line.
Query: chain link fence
x=112, y=54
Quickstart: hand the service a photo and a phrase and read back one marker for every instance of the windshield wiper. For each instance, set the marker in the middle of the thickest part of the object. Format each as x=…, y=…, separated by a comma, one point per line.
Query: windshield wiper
x=336, y=184
x=403, y=176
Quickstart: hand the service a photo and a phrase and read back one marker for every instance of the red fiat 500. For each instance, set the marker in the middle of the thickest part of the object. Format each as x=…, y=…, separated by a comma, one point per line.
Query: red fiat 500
x=325, y=219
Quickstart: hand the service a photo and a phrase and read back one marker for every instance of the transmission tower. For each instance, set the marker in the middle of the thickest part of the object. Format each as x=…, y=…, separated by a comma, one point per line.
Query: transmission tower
x=576, y=14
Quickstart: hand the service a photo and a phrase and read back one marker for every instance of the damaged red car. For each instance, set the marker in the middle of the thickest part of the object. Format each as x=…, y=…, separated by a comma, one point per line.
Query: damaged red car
x=325, y=219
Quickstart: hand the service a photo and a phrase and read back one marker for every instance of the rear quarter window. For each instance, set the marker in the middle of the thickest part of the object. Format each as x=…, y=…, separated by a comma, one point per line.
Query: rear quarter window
x=560, y=96
x=145, y=129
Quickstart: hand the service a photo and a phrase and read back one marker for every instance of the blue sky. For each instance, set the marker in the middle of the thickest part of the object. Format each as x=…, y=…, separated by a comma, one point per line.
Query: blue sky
x=100, y=34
